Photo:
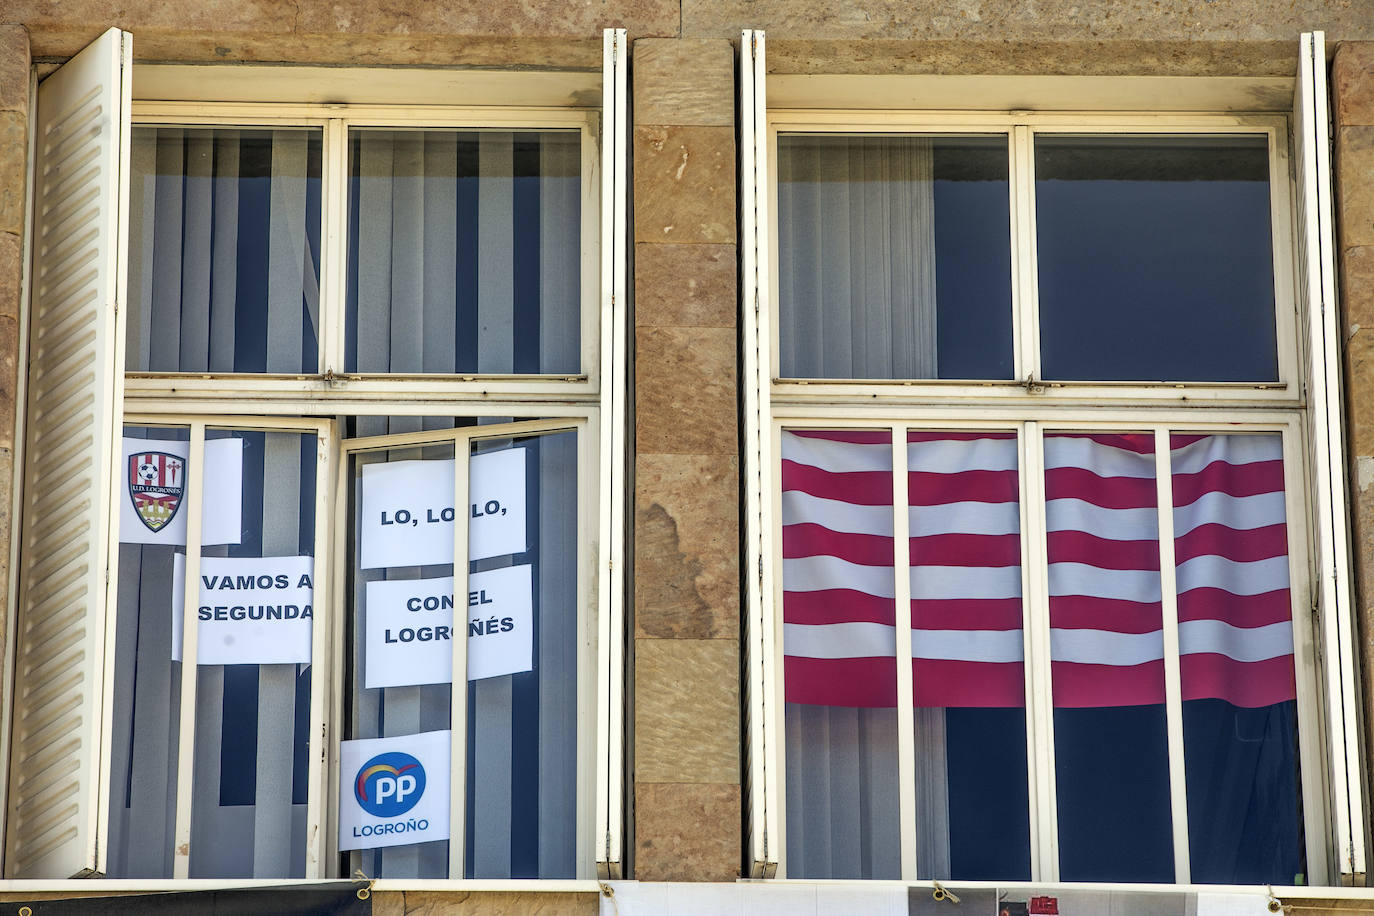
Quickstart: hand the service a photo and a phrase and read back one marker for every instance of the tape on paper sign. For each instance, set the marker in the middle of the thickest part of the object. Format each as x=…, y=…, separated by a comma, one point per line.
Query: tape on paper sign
x=410, y=628
x=408, y=512
x=394, y=791
x=152, y=501
x=252, y=610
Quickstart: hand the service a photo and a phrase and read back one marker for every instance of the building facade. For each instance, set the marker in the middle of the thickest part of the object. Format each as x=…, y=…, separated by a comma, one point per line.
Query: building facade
x=687, y=283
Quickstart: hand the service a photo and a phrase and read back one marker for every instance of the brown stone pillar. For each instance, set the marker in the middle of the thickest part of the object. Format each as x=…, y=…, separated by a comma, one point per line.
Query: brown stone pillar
x=1352, y=88
x=686, y=535
x=14, y=150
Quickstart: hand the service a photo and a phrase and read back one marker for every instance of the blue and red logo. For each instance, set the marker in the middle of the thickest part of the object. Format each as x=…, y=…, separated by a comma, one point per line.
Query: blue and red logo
x=389, y=784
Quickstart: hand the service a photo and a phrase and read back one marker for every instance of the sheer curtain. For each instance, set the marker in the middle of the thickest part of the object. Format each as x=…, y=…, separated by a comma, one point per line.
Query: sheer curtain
x=224, y=250
x=465, y=252
x=856, y=257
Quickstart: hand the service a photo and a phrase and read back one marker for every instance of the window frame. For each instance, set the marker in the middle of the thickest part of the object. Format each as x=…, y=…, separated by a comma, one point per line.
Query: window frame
x=1305, y=400
x=591, y=401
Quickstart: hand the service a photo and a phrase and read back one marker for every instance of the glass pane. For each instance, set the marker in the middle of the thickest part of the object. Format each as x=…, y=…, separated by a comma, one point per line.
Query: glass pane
x=839, y=648
x=1155, y=258
x=1107, y=658
x=464, y=251
x=255, y=616
x=522, y=743
x=894, y=259
x=224, y=250
x=147, y=682
x=968, y=670
x=1236, y=657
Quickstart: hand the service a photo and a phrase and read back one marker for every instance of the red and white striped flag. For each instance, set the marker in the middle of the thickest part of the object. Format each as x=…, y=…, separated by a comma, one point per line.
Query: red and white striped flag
x=1235, y=629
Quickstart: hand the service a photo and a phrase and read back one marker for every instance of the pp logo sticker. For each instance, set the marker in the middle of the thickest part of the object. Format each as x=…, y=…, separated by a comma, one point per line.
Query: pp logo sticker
x=389, y=784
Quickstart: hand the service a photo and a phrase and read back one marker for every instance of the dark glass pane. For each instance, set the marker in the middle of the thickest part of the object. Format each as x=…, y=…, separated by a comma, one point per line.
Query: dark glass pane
x=464, y=252
x=1155, y=258
x=224, y=250
x=894, y=257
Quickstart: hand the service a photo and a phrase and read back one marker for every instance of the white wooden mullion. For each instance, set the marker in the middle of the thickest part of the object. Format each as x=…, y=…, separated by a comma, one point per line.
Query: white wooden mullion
x=186, y=725
x=317, y=774
x=334, y=248
x=1025, y=283
x=906, y=727
x=1173, y=689
x=1036, y=622
x=458, y=695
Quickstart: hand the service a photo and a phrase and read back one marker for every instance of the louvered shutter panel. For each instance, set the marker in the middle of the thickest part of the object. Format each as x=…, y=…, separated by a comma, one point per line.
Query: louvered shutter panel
x=1317, y=308
x=68, y=535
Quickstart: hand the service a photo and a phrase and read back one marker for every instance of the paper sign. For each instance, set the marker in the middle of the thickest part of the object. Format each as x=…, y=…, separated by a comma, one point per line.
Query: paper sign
x=252, y=611
x=407, y=510
x=410, y=628
x=393, y=791
x=153, y=493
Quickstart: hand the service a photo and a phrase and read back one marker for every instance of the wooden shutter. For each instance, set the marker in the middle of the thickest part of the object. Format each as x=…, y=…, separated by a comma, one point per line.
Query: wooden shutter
x=1317, y=308
x=765, y=835
x=71, y=451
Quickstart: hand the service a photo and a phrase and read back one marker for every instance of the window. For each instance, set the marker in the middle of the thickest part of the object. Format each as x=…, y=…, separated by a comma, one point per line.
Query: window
x=368, y=351
x=1076, y=639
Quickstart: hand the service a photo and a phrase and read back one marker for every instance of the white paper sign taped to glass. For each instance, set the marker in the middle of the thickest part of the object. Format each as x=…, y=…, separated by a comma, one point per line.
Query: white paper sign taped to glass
x=393, y=791
x=252, y=610
x=152, y=500
x=407, y=510
x=410, y=628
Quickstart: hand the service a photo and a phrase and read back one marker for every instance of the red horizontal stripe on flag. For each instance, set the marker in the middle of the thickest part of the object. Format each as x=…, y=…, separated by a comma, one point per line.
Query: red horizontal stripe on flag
x=1080, y=547
x=1080, y=686
x=1107, y=492
x=1140, y=443
x=837, y=605
x=1076, y=612
x=808, y=540
x=852, y=682
x=913, y=436
x=854, y=436
x=966, y=550
x=1234, y=479
x=1247, y=611
x=1183, y=440
x=861, y=488
x=1241, y=546
x=967, y=614
x=929, y=489
x=941, y=683
x=1249, y=684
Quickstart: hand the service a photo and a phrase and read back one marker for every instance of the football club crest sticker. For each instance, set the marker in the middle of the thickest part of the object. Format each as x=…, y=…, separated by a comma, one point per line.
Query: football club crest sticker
x=157, y=483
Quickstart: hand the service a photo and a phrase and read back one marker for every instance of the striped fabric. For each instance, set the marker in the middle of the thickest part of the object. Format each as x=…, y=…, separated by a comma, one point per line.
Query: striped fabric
x=1107, y=646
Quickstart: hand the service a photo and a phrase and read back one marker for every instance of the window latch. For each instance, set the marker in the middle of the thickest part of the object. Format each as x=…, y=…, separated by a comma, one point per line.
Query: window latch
x=1031, y=385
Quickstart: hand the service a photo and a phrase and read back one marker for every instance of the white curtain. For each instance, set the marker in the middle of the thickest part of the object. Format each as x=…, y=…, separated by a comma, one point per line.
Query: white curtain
x=856, y=257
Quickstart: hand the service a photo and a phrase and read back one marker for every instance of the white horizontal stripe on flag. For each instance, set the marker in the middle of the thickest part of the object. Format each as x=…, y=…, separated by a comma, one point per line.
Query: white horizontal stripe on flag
x=1112, y=524
x=1103, y=647
x=967, y=645
x=800, y=508
x=837, y=457
x=1233, y=449
x=955, y=456
x=964, y=518
x=1253, y=644
x=1243, y=513
x=814, y=574
x=944, y=583
x=1092, y=582
x=1254, y=577
x=839, y=640
x=1102, y=460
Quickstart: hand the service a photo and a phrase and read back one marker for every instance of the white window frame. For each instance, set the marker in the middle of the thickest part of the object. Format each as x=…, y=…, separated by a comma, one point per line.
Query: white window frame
x=1331, y=792
x=591, y=401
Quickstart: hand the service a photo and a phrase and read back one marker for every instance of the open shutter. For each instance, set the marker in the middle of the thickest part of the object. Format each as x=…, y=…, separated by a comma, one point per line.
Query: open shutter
x=765, y=835
x=75, y=385
x=1317, y=305
x=610, y=756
